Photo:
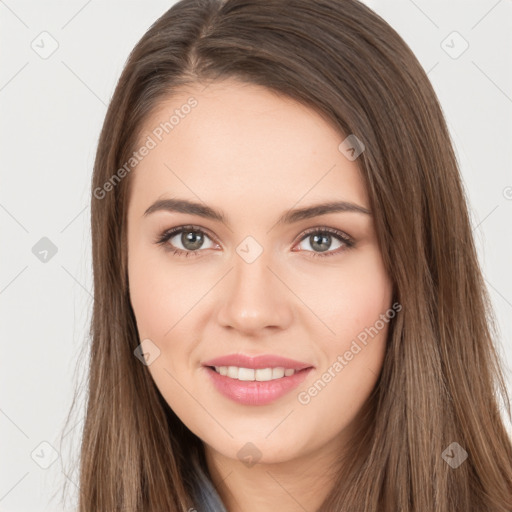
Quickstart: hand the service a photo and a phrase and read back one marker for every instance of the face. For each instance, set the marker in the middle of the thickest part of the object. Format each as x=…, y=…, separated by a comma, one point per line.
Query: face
x=251, y=270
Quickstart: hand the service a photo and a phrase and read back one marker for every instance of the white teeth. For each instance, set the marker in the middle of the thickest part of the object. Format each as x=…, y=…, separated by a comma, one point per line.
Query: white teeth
x=277, y=373
x=263, y=374
x=250, y=374
x=245, y=374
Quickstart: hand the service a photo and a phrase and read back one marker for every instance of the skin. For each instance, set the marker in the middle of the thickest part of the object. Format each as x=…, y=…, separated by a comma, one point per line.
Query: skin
x=254, y=155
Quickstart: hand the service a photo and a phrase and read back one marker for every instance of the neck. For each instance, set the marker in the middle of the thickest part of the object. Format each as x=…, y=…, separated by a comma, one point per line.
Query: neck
x=297, y=484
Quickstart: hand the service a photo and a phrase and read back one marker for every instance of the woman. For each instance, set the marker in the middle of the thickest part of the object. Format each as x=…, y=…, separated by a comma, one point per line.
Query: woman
x=288, y=308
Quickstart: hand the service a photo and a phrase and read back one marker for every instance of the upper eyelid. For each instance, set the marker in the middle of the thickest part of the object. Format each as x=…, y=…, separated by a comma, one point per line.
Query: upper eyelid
x=320, y=229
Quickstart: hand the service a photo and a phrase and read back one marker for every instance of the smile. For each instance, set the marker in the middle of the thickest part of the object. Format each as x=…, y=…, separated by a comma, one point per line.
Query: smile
x=251, y=374
x=255, y=379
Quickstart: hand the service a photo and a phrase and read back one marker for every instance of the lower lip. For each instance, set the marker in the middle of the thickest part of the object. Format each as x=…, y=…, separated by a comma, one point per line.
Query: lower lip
x=256, y=392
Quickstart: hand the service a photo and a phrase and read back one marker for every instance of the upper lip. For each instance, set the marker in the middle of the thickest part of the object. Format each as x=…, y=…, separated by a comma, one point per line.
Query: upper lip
x=255, y=362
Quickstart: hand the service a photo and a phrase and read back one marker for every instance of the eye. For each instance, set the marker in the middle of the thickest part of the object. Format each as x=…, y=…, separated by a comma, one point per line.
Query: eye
x=185, y=240
x=321, y=239
x=189, y=240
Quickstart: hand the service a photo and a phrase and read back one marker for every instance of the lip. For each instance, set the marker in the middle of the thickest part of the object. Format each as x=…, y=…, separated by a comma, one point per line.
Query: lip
x=256, y=392
x=255, y=362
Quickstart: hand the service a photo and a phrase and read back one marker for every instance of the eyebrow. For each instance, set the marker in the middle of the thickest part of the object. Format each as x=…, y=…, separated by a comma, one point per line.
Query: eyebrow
x=289, y=217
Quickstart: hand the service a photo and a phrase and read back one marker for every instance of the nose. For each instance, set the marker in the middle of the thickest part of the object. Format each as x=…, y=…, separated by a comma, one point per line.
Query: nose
x=254, y=298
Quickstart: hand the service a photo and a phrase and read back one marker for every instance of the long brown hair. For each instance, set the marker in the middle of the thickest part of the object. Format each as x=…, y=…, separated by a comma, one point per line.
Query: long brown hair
x=441, y=381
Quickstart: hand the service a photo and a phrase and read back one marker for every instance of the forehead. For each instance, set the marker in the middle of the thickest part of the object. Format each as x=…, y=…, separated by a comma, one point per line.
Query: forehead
x=233, y=140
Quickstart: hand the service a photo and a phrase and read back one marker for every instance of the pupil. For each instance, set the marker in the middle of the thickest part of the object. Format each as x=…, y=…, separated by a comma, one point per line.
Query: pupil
x=192, y=240
x=317, y=240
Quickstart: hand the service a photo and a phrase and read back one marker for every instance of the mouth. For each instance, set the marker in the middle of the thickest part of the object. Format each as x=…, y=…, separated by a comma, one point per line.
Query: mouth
x=256, y=374
x=263, y=379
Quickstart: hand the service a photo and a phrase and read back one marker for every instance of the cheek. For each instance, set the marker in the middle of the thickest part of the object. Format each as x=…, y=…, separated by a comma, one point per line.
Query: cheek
x=358, y=309
x=160, y=294
x=349, y=372
x=163, y=295
x=348, y=297
x=148, y=299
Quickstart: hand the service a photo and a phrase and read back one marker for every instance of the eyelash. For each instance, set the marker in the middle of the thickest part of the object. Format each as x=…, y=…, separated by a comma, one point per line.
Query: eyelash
x=168, y=234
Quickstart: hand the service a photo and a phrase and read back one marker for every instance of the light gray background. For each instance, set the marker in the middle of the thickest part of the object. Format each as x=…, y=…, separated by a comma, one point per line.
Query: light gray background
x=52, y=110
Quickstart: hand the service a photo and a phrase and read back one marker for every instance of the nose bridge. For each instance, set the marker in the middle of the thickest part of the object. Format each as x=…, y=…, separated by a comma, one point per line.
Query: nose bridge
x=253, y=297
